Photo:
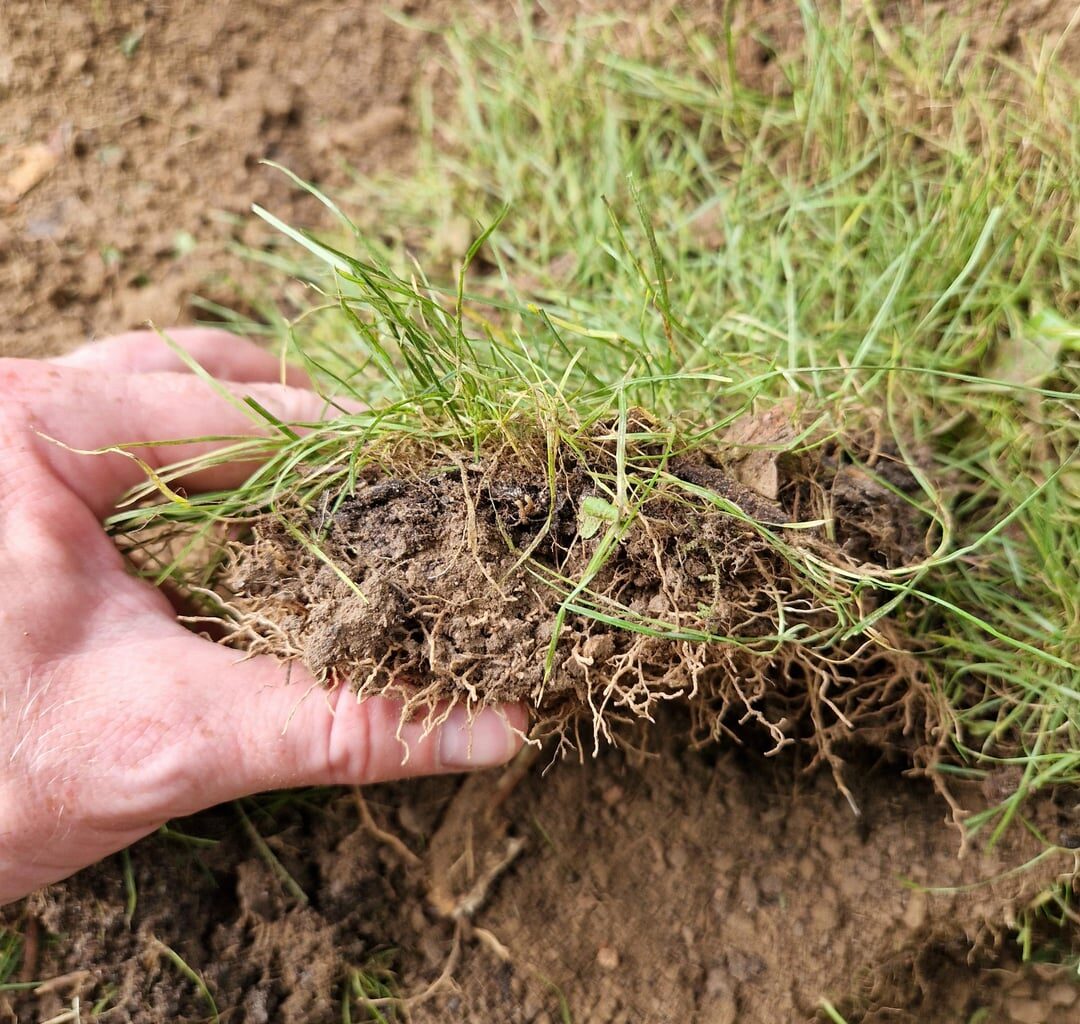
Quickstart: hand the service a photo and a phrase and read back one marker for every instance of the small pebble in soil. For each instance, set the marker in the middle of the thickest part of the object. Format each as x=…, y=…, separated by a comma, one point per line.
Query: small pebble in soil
x=607, y=958
x=612, y=795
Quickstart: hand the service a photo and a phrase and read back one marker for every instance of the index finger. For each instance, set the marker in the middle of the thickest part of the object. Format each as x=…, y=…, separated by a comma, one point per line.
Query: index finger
x=86, y=410
x=222, y=354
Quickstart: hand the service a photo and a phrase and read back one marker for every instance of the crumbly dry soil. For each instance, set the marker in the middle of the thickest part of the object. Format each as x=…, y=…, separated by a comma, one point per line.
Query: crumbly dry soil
x=142, y=124
x=437, y=590
x=662, y=886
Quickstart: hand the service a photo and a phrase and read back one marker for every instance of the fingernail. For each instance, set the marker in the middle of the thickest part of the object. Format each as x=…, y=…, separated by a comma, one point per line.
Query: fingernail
x=485, y=741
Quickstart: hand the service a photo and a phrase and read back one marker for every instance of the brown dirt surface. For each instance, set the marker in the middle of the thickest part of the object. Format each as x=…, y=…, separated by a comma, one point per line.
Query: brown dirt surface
x=654, y=886
x=132, y=133
x=161, y=114
x=666, y=885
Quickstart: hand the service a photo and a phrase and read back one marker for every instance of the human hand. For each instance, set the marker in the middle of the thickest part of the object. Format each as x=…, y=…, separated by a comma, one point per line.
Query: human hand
x=113, y=717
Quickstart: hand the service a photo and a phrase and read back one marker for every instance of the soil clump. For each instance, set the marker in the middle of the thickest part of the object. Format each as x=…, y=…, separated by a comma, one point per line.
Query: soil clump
x=489, y=580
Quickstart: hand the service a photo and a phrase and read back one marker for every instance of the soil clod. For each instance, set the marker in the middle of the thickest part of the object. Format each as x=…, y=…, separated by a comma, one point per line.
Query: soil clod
x=442, y=580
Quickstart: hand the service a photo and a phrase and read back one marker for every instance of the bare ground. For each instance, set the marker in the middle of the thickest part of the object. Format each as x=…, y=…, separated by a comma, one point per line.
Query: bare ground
x=662, y=886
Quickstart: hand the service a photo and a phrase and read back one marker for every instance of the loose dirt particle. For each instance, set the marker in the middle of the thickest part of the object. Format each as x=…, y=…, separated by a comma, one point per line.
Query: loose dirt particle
x=1027, y=1011
x=607, y=959
x=29, y=166
x=1063, y=994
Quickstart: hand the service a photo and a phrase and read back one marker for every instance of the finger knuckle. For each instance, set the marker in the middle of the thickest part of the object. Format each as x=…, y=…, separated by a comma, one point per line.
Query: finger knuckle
x=346, y=746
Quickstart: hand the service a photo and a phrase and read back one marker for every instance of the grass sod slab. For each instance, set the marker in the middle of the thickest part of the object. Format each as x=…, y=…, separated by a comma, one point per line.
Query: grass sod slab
x=768, y=399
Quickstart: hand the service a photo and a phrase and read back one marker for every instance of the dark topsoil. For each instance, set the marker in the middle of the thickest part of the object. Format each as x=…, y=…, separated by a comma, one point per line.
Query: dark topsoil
x=655, y=884
x=439, y=591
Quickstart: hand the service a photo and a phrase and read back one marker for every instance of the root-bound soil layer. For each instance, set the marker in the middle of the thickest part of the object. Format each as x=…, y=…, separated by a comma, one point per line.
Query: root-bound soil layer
x=451, y=578
x=667, y=885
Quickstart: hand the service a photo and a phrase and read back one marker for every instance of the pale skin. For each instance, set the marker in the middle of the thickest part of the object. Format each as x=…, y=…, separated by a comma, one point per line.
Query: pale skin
x=114, y=717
